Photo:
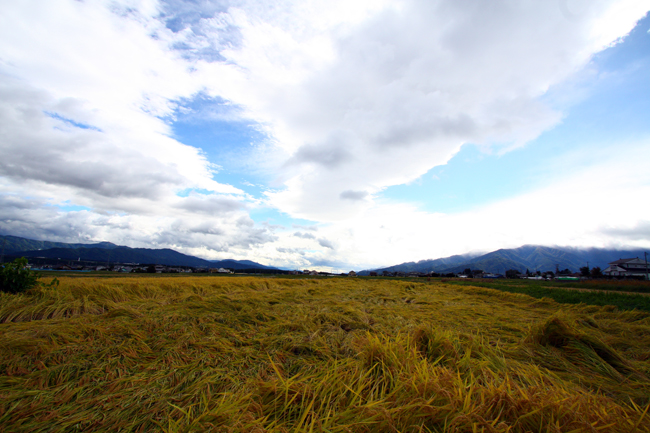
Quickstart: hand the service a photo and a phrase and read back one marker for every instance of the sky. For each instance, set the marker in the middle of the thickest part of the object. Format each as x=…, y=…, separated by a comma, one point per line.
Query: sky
x=331, y=135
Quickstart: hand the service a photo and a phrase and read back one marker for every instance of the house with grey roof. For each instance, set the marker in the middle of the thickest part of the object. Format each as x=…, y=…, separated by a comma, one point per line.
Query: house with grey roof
x=635, y=267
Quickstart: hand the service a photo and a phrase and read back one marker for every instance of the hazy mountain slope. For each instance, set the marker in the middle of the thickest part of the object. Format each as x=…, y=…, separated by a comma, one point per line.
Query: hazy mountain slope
x=121, y=255
x=432, y=265
x=106, y=252
x=495, y=263
x=531, y=257
x=15, y=243
x=238, y=264
x=600, y=257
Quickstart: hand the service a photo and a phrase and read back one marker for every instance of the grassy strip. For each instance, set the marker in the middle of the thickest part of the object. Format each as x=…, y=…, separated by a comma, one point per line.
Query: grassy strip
x=622, y=301
x=608, y=285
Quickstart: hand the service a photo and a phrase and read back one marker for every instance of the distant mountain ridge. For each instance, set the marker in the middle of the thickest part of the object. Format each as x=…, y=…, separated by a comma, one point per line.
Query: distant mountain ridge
x=109, y=252
x=531, y=257
x=426, y=265
x=15, y=244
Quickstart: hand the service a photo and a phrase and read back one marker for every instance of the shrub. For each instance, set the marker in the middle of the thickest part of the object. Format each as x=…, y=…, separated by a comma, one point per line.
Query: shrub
x=16, y=277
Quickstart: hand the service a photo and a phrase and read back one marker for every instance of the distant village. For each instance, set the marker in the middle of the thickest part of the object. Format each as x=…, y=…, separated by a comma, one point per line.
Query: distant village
x=633, y=268
x=132, y=268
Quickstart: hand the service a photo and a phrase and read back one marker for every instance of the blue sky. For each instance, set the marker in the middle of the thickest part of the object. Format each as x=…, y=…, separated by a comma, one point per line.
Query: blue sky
x=333, y=135
x=211, y=125
x=473, y=176
x=614, y=106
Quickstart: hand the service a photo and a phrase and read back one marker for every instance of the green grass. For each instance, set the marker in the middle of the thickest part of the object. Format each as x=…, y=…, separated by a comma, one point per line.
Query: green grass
x=322, y=355
x=594, y=294
x=607, y=285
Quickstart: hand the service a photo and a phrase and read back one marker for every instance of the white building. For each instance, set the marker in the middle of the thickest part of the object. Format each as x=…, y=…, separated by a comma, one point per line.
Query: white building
x=635, y=267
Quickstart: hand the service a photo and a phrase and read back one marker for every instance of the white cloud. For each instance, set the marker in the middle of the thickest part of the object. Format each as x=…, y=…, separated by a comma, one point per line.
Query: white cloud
x=187, y=231
x=89, y=63
x=601, y=205
x=353, y=195
x=326, y=243
x=386, y=100
x=304, y=235
x=355, y=97
x=83, y=90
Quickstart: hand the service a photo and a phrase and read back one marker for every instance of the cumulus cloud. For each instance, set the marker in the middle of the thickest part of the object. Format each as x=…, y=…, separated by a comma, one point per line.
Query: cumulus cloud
x=353, y=195
x=304, y=235
x=571, y=211
x=302, y=227
x=325, y=243
x=354, y=97
x=291, y=251
x=82, y=119
x=210, y=205
x=638, y=232
x=186, y=232
x=328, y=156
x=104, y=70
x=401, y=91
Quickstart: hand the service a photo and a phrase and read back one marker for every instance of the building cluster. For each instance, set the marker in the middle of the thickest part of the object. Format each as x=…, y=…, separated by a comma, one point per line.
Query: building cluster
x=133, y=268
x=410, y=274
x=322, y=274
x=635, y=268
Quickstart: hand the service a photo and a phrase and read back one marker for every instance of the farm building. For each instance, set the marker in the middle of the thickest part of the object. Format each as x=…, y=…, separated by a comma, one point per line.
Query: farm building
x=635, y=267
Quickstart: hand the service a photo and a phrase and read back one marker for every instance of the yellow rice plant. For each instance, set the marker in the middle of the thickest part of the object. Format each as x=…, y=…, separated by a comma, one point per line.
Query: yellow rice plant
x=242, y=354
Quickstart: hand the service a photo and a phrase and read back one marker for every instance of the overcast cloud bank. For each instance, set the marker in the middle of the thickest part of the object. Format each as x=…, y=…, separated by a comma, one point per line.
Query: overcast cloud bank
x=354, y=98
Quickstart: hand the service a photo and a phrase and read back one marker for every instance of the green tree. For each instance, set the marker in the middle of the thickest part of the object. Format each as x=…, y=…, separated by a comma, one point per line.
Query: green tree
x=512, y=273
x=596, y=272
x=584, y=271
x=16, y=277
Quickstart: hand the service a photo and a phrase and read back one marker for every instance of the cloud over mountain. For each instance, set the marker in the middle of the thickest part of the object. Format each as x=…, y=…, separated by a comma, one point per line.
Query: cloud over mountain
x=349, y=99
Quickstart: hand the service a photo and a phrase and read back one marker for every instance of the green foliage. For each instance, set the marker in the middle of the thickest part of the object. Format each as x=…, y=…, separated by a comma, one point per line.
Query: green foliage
x=512, y=273
x=600, y=294
x=16, y=277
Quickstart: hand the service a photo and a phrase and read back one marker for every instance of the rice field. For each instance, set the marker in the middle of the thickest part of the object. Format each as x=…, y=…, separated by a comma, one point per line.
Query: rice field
x=316, y=355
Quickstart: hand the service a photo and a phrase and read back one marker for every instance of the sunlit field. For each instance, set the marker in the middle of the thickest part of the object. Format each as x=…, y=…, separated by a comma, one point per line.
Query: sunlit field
x=323, y=355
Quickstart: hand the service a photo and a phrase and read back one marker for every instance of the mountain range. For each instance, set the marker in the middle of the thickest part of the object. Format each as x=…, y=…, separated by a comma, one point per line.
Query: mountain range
x=531, y=257
x=106, y=252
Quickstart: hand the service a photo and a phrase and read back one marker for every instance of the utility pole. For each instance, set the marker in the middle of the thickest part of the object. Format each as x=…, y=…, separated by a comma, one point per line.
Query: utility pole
x=2, y=256
x=645, y=254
